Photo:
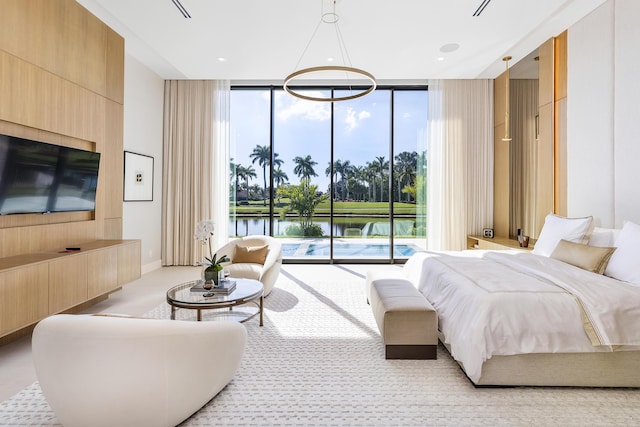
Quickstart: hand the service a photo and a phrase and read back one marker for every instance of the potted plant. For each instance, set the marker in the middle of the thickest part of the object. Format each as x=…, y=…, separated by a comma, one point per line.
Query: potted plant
x=213, y=264
x=211, y=273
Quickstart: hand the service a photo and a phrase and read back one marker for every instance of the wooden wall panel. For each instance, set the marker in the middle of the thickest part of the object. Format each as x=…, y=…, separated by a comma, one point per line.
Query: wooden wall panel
x=545, y=162
x=560, y=123
x=545, y=167
x=546, y=73
x=67, y=283
x=113, y=161
x=24, y=297
x=38, y=99
x=560, y=156
x=112, y=228
x=115, y=65
x=62, y=81
x=45, y=238
x=560, y=66
x=59, y=36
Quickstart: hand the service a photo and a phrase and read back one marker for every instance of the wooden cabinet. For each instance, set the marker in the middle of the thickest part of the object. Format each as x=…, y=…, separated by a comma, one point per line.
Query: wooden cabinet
x=24, y=296
x=102, y=277
x=496, y=243
x=37, y=285
x=128, y=269
x=67, y=282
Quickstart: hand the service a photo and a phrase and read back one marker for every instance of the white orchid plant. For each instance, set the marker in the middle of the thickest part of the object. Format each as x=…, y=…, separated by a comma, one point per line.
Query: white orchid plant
x=204, y=232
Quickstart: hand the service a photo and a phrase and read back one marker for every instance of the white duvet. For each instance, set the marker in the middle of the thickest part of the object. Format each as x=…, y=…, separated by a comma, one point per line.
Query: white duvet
x=511, y=302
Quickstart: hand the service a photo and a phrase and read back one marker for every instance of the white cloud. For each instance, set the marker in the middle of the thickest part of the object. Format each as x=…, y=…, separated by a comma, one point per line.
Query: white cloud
x=352, y=119
x=288, y=106
x=364, y=115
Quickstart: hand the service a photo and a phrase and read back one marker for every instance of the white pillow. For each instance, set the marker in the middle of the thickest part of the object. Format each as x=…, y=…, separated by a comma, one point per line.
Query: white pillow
x=625, y=262
x=556, y=228
x=603, y=237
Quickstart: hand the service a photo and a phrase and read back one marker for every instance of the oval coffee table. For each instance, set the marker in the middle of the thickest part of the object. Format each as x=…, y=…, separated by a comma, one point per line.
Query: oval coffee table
x=246, y=291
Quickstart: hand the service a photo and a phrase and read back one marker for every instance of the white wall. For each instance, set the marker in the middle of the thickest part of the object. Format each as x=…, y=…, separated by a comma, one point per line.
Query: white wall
x=603, y=139
x=143, y=117
x=627, y=112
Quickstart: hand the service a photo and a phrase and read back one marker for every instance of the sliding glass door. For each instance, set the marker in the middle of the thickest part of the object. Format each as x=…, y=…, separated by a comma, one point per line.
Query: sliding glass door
x=302, y=149
x=409, y=172
x=337, y=182
x=361, y=168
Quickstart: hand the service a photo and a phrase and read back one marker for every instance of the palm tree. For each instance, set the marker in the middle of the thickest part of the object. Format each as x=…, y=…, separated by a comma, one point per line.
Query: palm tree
x=239, y=174
x=343, y=168
x=333, y=172
x=246, y=173
x=304, y=167
x=356, y=188
x=233, y=177
x=279, y=177
x=359, y=174
x=371, y=173
x=381, y=167
x=405, y=170
x=262, y=155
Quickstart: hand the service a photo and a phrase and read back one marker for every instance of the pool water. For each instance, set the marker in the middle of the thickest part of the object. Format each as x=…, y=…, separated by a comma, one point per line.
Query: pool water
x=340, y=250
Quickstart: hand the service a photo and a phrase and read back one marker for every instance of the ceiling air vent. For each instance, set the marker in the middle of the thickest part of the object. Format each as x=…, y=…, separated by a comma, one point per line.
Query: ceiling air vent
x=481, y=8
x=181, y=8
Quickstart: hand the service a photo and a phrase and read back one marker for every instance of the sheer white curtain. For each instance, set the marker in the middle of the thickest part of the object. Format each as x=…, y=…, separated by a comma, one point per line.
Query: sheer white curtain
x=459, y=161
x=221, y=159
x=195, y=163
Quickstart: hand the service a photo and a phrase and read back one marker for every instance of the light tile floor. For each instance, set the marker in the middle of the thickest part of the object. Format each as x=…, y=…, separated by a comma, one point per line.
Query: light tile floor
x=135, y=298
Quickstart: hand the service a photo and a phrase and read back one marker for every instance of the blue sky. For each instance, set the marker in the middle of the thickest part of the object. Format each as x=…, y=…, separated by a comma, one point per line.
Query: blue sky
x=361, y=128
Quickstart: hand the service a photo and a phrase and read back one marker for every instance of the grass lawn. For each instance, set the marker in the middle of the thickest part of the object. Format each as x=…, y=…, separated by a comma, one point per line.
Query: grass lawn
x=358, y=208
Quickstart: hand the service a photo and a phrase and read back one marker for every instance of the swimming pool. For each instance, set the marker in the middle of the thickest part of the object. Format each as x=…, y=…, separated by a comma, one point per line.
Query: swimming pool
x=346, y=250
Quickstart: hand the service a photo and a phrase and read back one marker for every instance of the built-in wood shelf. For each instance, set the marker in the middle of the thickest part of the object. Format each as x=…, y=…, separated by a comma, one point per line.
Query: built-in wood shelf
x=496, y=243
x=37, y=285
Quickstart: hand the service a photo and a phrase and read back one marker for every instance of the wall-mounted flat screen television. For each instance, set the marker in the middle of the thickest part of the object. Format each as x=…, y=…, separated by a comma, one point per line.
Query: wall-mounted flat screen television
x=36, y=177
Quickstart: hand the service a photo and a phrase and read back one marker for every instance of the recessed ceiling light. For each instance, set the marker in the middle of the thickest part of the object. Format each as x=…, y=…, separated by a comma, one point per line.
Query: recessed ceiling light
x=440, y=58
x=449, y=47
x=221, y=59
x=330, y=59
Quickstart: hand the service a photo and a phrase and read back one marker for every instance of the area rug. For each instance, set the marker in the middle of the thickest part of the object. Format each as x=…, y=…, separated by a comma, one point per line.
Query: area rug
x=319, y=361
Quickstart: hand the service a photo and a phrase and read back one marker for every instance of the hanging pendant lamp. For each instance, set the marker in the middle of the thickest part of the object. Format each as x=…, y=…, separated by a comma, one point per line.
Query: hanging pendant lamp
x=331, y=18
x=507, y=135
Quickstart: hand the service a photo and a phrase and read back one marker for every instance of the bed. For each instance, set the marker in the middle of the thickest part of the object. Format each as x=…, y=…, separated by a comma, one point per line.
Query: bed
x=544, y=318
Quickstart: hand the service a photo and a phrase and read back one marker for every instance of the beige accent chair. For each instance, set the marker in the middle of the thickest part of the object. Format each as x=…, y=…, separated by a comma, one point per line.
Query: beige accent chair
x=242, y=264
x=125, y=371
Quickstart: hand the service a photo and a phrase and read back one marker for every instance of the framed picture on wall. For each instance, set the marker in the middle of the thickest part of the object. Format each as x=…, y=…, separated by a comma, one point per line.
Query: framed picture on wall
x=138, y=177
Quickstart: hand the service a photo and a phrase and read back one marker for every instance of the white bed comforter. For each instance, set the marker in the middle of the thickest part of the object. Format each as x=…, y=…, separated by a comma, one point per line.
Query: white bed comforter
x=510, y=302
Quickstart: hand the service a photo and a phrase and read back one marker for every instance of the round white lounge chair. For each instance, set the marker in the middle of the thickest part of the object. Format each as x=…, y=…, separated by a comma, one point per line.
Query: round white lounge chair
x=250, y=262
x=124, y=371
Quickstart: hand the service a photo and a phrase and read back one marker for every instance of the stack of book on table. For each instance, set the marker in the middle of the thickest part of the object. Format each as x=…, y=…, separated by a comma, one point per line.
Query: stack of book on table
x=224, y=287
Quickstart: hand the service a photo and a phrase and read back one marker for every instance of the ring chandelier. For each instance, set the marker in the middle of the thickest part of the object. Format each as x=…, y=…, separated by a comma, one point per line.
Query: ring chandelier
x=332, y=19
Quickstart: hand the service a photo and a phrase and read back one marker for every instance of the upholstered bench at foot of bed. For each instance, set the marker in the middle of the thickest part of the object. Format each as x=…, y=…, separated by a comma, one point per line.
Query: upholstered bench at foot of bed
x=407, y=322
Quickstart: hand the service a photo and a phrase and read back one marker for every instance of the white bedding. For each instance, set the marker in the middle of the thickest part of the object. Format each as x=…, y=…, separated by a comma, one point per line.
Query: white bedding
x=511, y=302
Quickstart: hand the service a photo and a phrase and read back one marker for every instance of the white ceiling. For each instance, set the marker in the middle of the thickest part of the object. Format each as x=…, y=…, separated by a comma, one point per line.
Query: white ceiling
x=401, y=40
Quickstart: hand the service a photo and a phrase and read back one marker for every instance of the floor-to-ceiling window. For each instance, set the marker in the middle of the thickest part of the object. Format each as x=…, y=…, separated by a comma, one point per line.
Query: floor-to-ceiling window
x=409, y=171
x=340, y=181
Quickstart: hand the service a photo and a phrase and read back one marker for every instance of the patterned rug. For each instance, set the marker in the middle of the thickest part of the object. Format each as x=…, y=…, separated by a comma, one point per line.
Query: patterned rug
x=319, y=361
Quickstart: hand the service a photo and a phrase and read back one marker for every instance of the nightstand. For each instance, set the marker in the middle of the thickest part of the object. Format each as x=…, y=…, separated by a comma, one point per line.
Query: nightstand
x=496, y=243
